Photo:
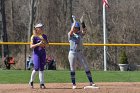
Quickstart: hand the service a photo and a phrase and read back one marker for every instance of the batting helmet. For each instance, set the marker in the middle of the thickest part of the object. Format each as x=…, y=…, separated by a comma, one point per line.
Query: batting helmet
x=76, y=25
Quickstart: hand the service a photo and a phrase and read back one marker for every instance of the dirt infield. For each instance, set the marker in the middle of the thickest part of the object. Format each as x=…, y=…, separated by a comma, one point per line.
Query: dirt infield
x=113, y=87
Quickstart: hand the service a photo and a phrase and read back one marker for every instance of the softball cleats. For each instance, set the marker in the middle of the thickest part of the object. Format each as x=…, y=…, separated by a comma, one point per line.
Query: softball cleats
x=42, y=86
x=31, y=84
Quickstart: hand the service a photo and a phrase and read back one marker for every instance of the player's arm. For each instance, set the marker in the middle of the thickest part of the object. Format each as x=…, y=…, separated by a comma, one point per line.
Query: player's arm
x=35, y=45
x=73, y=25
x=32, y=45
x=45, y=41
x=84, y=29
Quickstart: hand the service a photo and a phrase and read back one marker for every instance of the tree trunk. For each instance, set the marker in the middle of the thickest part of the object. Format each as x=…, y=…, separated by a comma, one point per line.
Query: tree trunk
x=1, y=51
x=32, y=17
x=4, y=36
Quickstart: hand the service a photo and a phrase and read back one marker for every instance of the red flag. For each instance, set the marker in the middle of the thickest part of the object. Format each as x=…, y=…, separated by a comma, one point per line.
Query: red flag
x=105, y=2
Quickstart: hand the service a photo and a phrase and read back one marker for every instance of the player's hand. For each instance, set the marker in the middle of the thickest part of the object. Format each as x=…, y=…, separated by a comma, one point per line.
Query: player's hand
x=74, y=18
x=42, y=43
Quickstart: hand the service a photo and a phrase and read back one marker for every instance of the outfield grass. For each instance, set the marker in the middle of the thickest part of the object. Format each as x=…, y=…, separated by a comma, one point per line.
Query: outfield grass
x=21, y=76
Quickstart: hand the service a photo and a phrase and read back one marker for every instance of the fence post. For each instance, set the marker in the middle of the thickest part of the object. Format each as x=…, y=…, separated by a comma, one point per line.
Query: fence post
x=25, y=55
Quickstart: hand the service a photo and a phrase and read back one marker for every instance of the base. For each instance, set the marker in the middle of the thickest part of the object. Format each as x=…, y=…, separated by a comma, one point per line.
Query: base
x=91, y=87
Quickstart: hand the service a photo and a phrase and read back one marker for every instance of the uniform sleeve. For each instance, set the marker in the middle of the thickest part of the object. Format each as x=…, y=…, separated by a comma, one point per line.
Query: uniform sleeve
x=46, y=38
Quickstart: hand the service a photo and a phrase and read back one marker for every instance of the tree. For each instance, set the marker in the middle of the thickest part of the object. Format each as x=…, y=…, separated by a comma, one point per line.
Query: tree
x=32, y=7
x=123, y=58
x=4, y=35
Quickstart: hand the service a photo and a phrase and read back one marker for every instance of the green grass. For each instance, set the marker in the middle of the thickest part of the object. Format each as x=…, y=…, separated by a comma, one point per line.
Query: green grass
x=21, y=76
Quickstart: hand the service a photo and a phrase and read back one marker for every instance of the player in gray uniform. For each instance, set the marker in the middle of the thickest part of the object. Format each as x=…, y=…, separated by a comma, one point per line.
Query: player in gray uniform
x=75, y=37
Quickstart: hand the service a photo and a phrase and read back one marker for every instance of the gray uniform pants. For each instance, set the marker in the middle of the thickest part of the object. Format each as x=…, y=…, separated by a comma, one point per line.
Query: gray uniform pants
x=73, y=56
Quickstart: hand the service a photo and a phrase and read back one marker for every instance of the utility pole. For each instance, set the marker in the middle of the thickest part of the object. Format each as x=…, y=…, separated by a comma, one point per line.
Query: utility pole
x=105, y=4
x=104, y=37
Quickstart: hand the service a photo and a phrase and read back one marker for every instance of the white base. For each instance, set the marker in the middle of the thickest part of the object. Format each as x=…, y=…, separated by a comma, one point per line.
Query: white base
x=93, y=87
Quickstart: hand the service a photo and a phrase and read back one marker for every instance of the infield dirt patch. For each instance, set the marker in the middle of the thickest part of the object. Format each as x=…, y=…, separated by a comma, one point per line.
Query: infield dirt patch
x=113, y=87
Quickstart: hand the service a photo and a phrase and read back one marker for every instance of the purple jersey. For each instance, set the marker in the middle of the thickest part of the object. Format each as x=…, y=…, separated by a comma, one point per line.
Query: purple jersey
x=37, y=39
x=39, y=53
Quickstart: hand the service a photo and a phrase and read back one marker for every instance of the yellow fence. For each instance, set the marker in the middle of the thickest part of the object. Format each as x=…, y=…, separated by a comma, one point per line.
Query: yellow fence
x=66, y=44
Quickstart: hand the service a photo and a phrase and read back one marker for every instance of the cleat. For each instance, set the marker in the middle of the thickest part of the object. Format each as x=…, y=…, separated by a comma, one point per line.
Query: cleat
x=42, y=86
x=74, y=87
x=93, y=85
x=31, y=84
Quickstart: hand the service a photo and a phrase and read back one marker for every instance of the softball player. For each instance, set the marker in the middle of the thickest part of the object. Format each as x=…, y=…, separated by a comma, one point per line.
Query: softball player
x=75, y=38
x=38, y=43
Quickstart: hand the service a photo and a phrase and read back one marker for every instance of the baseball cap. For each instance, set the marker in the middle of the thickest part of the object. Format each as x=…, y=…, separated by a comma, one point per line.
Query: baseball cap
x=38, y=25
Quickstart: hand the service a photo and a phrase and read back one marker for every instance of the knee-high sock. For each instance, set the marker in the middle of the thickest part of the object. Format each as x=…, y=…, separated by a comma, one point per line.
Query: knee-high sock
x=33, y=75
x=41, y=77
x=73, y=77
x=89, y=76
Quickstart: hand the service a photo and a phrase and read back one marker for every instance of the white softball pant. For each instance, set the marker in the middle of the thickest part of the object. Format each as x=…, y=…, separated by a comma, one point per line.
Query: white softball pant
x=73, y=56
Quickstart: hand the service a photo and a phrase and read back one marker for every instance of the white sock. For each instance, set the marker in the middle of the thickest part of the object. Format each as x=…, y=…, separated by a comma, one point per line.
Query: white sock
x=41, y=77
x=33, y=75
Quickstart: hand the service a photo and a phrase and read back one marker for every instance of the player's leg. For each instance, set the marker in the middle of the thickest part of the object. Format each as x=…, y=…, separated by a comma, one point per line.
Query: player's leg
x=72, y=57
x=41, y=71
x=33, y=74
x=29, y=65
x=36, y=62
x=41, y=78
x=82, y=60
x=36, y=68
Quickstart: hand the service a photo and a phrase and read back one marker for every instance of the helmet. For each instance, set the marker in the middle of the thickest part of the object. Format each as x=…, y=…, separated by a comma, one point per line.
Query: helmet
x=76, y=25
x=38, y=25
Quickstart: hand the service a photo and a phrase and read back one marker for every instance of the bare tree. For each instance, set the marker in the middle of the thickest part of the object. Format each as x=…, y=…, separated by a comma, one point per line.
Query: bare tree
x=122, y=27
x=33, y=8
x=4, y=36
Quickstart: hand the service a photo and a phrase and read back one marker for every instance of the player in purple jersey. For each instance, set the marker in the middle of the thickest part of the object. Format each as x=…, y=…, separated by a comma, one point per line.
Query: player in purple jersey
x=38, y=44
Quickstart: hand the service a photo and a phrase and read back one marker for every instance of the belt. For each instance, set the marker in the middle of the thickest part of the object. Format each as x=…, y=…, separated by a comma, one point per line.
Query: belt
x=78, y=50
